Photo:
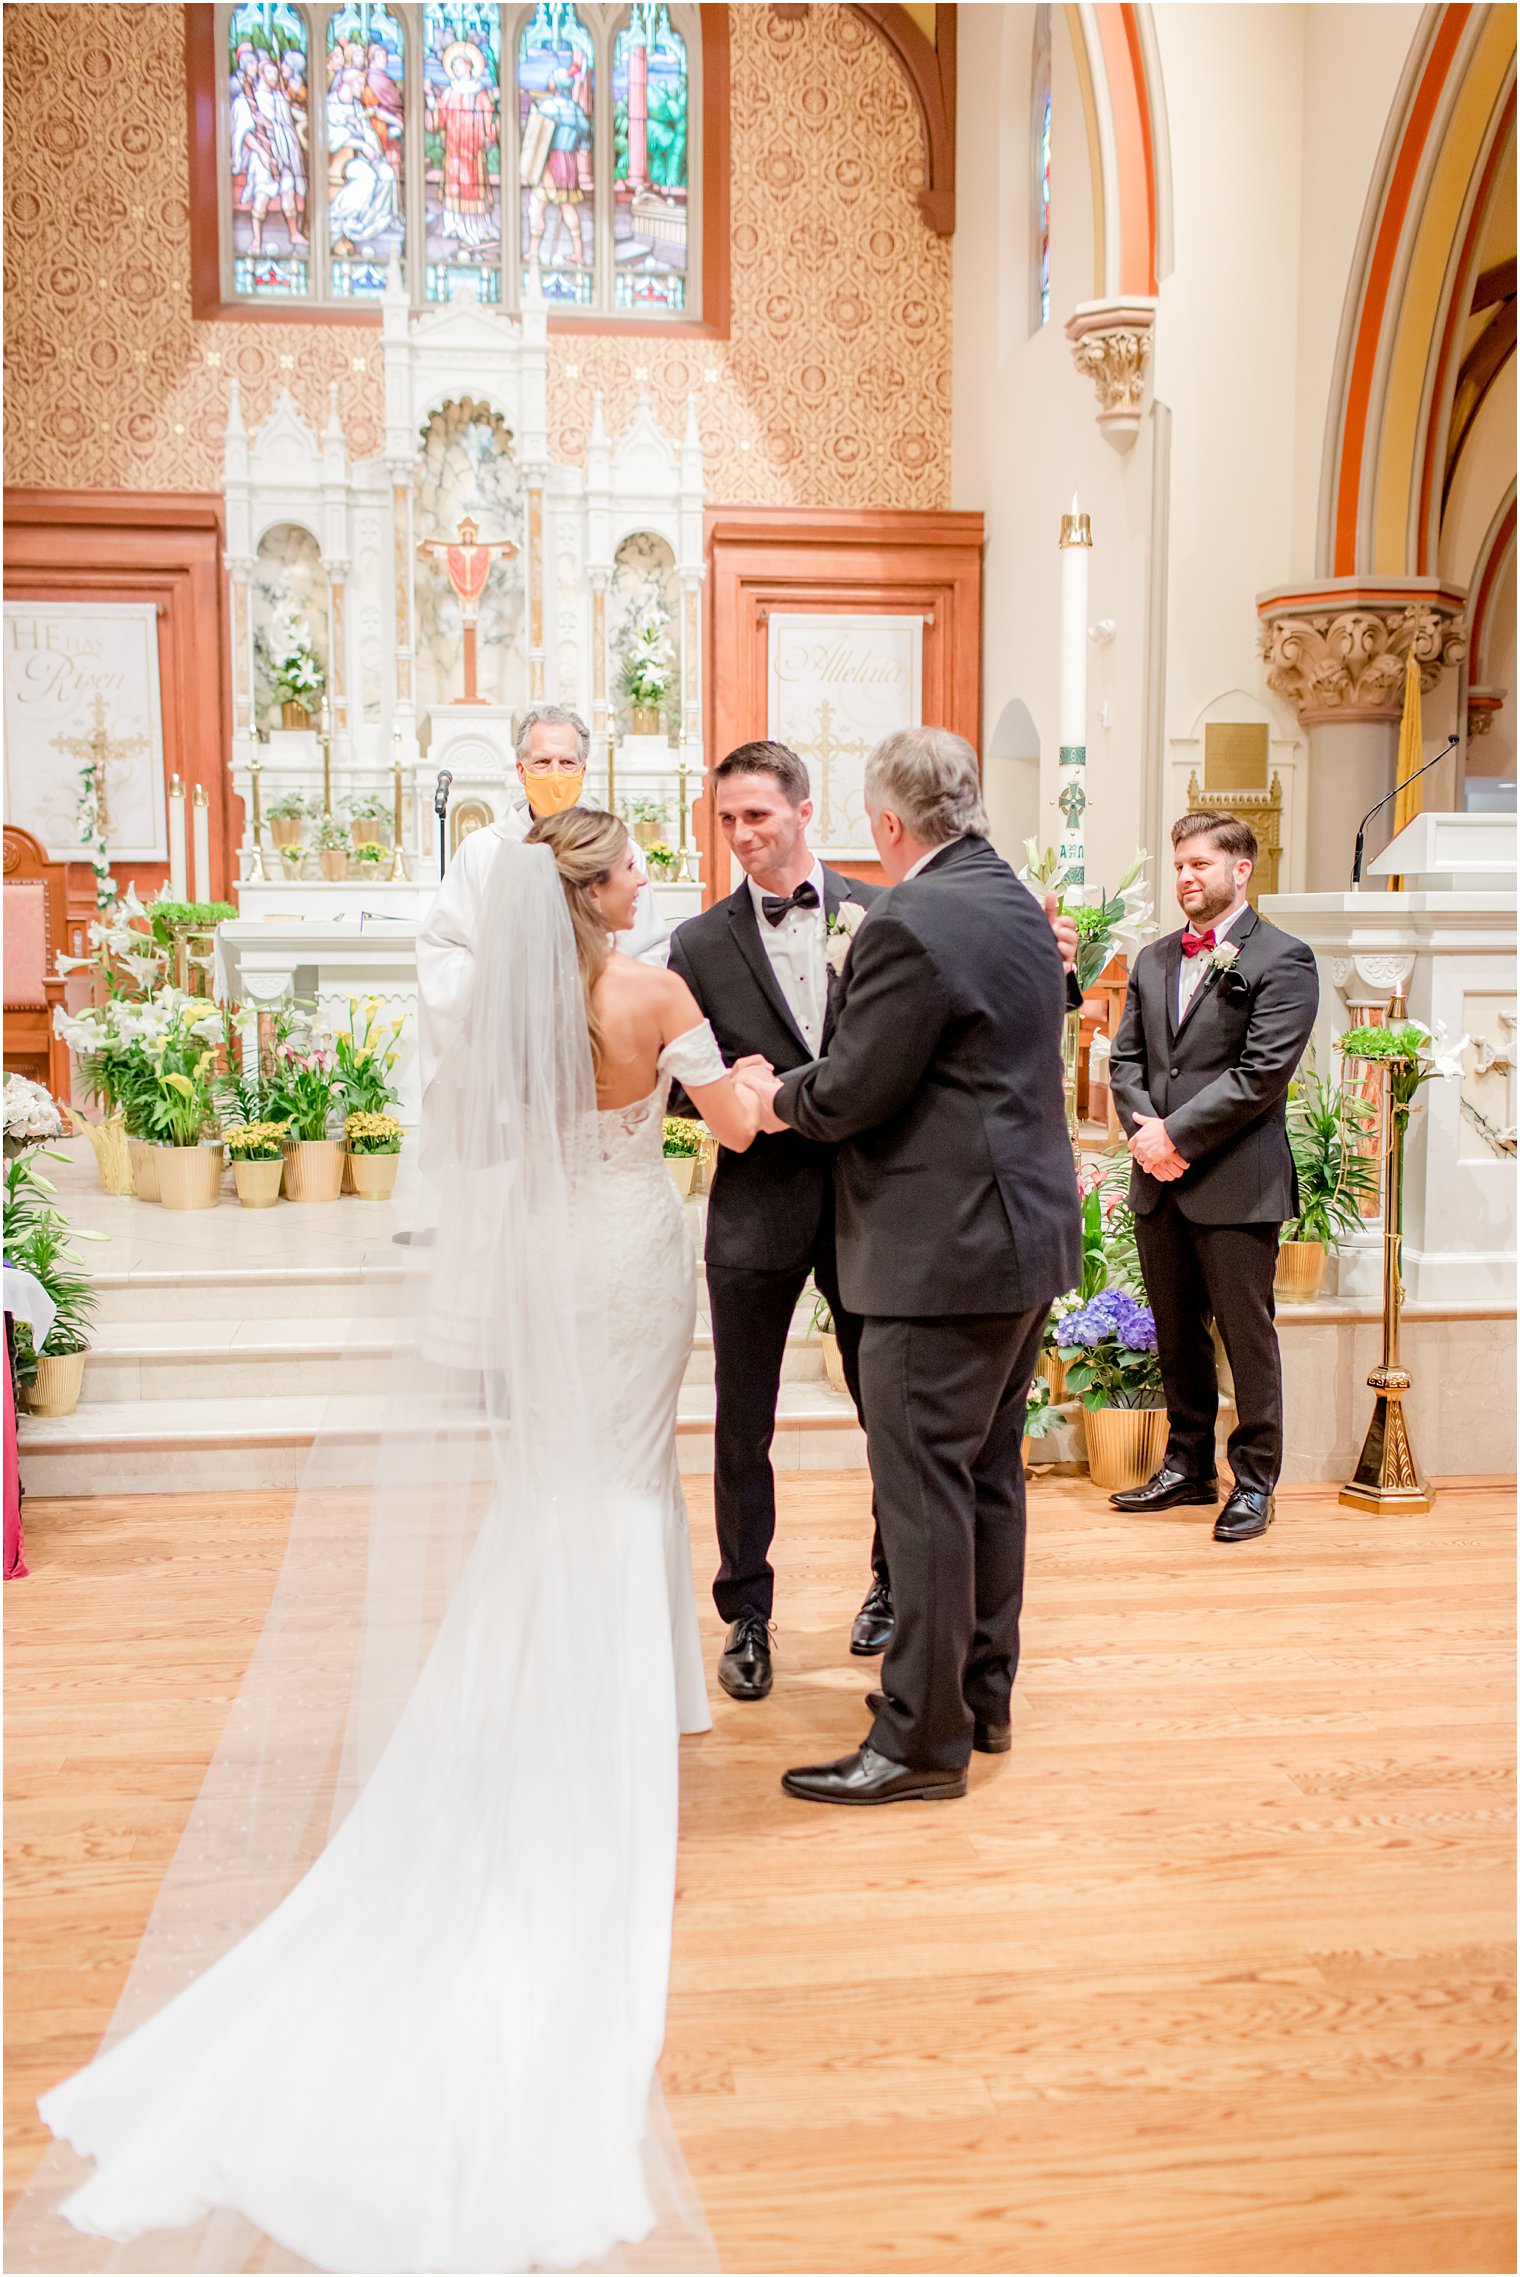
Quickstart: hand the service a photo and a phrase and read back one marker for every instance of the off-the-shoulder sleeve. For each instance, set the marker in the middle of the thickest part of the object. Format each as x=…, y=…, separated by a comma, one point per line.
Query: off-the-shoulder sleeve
x=694, y=1057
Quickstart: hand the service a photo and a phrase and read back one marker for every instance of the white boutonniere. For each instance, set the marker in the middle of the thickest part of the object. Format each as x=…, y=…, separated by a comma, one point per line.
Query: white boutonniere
x=1221, y=959
x=842, y=929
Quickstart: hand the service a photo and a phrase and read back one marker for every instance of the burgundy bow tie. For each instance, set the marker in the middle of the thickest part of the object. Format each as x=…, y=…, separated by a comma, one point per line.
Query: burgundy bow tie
x=1194, y=944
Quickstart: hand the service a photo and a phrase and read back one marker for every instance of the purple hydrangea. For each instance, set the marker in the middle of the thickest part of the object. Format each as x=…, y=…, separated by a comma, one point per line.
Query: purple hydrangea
x=1112, y=1313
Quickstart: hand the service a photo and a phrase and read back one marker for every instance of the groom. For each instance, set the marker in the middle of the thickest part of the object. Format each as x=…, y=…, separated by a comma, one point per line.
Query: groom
x=957, y=1228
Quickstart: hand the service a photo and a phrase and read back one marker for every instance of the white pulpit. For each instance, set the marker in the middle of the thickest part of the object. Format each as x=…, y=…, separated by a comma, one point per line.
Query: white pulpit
x=1448, y=936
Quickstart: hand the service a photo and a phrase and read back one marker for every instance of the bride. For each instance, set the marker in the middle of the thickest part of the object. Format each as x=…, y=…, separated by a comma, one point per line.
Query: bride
x=401, y=2000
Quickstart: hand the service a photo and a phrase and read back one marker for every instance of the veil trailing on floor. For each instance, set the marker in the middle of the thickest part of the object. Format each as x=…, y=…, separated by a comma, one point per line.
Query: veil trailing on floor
x=401, y=1997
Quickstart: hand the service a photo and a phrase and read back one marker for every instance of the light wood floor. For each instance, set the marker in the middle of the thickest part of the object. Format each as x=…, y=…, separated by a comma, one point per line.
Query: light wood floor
x=1214, y=1972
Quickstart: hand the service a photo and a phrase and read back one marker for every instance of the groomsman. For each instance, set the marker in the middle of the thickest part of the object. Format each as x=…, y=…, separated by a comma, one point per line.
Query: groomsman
x=1214, y=1026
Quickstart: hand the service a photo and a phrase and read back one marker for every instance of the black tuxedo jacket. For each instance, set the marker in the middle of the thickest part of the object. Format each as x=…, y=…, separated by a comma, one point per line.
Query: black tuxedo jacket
x=1220, y=1080
x=953, y=1182
x=767, y=1204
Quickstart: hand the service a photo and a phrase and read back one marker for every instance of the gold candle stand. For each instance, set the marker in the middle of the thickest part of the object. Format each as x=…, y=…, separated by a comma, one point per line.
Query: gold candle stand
x=1387, y=1478
x=611, y=772
x=397, y=874
x=324, y=737
x=683, y=866
x=257, y=874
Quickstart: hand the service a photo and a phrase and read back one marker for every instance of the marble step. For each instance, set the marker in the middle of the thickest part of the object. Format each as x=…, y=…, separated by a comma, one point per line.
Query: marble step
x=188, y=1359
x=240, y=1444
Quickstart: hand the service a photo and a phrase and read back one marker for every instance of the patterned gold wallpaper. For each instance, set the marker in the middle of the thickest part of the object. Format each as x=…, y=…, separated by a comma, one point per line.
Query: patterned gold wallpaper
x=834, y=389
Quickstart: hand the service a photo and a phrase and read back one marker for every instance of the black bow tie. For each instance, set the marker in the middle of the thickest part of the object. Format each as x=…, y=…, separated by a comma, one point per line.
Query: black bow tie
x=776, y=905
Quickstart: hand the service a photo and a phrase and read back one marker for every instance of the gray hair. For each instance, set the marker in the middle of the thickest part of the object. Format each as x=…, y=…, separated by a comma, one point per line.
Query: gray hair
x=930, y=780
x=550, y=715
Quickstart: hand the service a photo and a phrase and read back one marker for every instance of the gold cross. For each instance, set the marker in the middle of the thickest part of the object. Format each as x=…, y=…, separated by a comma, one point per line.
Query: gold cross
x=103, y=751
x=821, y=753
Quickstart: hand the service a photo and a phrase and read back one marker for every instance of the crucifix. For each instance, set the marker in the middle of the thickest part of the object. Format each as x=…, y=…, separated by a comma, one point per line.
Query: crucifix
x=99, y=751
x=467, y=559
x=822, y=753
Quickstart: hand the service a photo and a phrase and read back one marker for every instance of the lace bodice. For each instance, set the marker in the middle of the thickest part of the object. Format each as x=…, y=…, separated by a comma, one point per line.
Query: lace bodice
x=636, y=1133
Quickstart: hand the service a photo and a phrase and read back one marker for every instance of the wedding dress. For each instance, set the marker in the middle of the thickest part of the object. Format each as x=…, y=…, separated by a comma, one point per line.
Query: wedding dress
x=402, y=1998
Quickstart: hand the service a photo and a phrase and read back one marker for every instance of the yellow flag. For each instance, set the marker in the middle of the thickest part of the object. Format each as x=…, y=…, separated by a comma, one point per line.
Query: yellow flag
x=1409, y=802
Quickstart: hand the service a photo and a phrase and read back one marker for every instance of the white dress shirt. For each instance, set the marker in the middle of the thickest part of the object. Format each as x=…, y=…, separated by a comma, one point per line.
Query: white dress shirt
x=796, y=951
x=1192, y=969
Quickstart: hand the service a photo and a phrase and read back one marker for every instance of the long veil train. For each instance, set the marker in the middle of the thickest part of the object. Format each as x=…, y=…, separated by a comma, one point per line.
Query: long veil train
x=401, y=1997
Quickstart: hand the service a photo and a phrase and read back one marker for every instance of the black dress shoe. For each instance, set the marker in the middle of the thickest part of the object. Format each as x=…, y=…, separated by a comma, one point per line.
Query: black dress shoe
x=992, y=1739
x=1165, y=1491
x=1244, y=1516
x=866, y=1777
x=874, y=1622
x=745, y=1669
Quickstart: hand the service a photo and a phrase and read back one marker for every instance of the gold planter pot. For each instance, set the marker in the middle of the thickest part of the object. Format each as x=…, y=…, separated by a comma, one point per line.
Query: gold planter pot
x=367, y=833
x=1124, y=1445
x=60, y=1379
x=258, y=1183
x=285, y=830
x=648, y=719
x=1053, y=1369
x=1301, y=1271
x=189, y=1177
x=108, y=1141
x=374, y=1175
x=334, y=865
x=144, y=1157
x=648, y=833
x=683, y=1169
x=314, y=1170
x=295, y=716
x=833, y=1363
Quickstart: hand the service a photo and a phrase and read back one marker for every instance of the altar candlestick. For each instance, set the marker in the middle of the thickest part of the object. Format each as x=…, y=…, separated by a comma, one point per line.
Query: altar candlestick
x=1076, y=544
x=257, y=874
x=324, y=737
x=202, y=846
x=398, y=862
x=177, y=886
x=683, y=867
x=611, y=773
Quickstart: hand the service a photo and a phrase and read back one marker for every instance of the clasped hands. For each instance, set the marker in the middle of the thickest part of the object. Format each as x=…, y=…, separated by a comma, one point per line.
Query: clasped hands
x=1154, y=1151
x=754, y=1073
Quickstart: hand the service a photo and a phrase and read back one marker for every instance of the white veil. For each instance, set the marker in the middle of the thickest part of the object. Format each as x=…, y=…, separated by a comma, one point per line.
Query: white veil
x=449, y=1648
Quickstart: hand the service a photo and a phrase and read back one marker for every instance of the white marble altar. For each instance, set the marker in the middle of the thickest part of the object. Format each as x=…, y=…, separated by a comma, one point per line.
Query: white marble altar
x=1449, y=936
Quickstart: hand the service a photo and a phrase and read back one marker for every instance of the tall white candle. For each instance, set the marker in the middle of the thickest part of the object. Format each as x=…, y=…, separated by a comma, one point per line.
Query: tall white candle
x=201, y=868
x=1076, y=544
x=176, y=839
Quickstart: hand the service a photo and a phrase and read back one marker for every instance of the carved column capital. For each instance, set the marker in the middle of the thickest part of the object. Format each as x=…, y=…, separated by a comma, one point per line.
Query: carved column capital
x=1111, y=346
x=1482, y=703
x=1338, y=651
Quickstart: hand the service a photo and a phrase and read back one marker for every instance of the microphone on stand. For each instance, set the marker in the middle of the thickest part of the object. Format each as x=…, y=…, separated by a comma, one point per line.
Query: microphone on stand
x=1361, y=829
x=441, y=809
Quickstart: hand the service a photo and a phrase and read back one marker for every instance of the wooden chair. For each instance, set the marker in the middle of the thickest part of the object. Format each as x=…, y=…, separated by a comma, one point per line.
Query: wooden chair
x=35, y=904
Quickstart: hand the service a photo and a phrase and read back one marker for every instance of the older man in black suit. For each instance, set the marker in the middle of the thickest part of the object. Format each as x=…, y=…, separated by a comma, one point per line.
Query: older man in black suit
x=1215, y=1022
x=957, y=1227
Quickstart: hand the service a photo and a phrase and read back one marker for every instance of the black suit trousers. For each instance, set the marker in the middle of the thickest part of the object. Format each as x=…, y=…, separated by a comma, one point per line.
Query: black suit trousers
x=1195, y=1274
x=944, y=1407
x=752, y=1314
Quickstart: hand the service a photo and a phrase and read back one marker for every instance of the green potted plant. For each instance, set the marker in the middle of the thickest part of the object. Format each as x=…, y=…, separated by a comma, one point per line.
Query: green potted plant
x=648, y=669
x=822, y=1326
x=370, y=857
x=285, y=818
x=182, y=1105
x=663, y=860
x=1041, y=1417
x=40, y=1240
x=258, y=1161
x=1328, y=1131
x=646, y=819
x=374, y=1153
x=333, y=845
x=304, y=1091
x=294, y=675
x=684, y=1143
x=1109, y=1347
x=368, y=817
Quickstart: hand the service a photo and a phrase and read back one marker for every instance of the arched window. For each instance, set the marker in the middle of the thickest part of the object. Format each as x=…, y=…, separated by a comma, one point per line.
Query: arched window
x=1039, y=188
x=547, y=149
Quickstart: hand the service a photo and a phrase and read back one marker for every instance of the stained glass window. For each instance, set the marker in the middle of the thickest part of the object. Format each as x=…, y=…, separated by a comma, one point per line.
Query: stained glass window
x=366, y=146
x=650, y=161
x=1045, y=213
x=267, y=147
x=556, y=114
x=461, y=65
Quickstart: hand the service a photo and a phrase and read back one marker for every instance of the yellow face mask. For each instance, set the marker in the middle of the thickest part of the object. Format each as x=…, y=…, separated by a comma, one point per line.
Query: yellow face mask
x=553, y=794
